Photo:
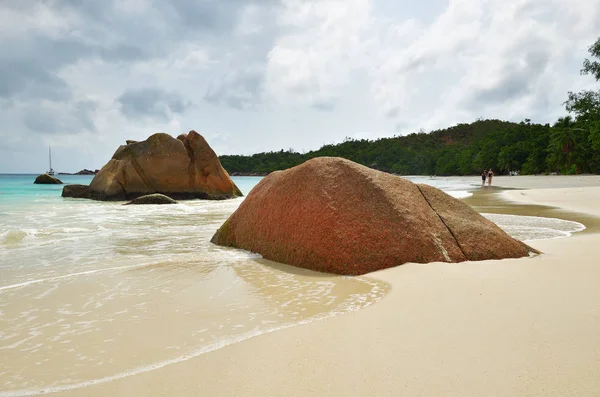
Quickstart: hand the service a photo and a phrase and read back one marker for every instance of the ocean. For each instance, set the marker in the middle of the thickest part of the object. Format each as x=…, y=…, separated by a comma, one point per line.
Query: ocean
x=96, y=291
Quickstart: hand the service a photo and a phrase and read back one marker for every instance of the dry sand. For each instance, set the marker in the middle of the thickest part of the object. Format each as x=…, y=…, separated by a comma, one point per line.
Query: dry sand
x=518, y=327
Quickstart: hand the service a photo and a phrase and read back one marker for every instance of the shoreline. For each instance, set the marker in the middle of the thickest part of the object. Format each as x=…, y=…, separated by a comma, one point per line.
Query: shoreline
x=261, y=174
x=530, y=203
x=515, y=327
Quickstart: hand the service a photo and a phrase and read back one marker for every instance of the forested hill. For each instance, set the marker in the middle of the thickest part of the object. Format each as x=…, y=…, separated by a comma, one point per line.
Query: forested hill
x=464, y=149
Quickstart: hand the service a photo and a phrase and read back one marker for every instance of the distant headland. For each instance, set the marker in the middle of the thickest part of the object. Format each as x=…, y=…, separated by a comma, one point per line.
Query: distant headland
x=84, y=171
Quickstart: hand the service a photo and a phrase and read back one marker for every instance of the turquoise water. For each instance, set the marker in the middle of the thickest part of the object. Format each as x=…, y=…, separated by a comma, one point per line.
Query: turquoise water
x=246, y=183
x=19, y=195
x=16, y=188
x=19, y=188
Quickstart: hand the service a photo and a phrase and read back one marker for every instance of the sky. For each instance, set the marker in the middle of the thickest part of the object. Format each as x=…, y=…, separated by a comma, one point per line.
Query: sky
x=83, y=76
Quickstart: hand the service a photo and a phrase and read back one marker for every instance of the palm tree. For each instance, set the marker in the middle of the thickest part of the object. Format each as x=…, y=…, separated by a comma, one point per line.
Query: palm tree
x=563, y=143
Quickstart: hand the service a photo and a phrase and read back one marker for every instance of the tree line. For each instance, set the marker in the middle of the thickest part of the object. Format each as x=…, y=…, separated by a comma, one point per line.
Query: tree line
x=569, y=146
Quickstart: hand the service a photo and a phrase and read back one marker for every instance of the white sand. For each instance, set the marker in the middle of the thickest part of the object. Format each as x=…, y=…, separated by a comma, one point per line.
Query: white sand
x=518, y=327
x=573, y=199
x=546, y=181
x=533, y=181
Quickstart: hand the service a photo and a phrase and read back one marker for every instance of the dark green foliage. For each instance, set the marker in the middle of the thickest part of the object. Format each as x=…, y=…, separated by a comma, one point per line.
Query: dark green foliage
x=571, y=145
x=593, y=67
x=575, y=143
x=585, y=105
x=464, y=149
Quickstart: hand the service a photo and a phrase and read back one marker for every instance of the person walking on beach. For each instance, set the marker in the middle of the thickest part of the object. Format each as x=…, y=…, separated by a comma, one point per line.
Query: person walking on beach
x=490, y=174
x=483, y=176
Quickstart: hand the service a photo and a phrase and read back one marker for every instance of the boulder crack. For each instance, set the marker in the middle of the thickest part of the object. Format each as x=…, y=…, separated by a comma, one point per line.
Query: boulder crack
x=192, y=165
x=443, y=221
x=140, y=171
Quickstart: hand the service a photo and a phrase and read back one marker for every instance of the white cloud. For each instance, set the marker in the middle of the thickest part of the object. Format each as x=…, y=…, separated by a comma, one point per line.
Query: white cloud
x=24, y=18
x=482, y=58
x=324, y=44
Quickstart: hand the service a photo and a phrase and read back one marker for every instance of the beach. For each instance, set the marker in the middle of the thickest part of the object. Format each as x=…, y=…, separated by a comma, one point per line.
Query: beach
x=515, y=327
x=273, y=198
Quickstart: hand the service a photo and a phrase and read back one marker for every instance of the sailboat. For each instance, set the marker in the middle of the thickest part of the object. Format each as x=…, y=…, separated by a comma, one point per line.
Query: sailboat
x=51, y=171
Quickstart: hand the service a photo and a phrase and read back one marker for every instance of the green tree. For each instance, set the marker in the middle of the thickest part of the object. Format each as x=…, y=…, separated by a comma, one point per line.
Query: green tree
x=593, y=67
x=586, y=104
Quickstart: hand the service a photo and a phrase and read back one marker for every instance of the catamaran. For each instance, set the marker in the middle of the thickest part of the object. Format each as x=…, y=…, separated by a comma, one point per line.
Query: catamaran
x=51, y=171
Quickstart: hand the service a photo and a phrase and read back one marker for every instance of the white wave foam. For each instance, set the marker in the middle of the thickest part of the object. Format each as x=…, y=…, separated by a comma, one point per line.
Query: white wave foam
x=459, y=194
x=66, y=276
x=17, y=235
x=447, y=185
x=535, y=227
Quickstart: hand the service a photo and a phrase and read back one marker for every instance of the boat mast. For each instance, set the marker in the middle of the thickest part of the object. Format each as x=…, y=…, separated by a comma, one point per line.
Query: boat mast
x=50, y=157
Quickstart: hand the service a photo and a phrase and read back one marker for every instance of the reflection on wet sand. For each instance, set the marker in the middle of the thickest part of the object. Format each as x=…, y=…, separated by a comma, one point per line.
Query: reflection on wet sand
x=69, y=333
x=294, y=293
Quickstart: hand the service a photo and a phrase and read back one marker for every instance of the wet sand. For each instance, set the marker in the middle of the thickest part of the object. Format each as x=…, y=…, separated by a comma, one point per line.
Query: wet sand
x=517, y=327
x=499, y=200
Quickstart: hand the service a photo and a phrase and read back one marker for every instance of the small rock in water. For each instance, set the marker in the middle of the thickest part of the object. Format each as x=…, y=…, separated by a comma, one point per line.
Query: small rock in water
x=76, y=191
x=155, y=198
x=47, y=180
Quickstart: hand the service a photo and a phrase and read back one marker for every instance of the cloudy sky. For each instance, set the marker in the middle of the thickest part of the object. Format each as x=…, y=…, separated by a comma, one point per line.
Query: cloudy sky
x=258, y=75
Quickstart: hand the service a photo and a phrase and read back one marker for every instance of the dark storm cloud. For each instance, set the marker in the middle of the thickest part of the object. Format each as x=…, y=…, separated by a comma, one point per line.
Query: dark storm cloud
x=30, y=64
x=520, y=75
x=392, y=112
x=237, y=89
x=217, y=16
x=240, y=80
x=209, y=14
x=46, y=53
x=32, y=79
x=151, y=102
x=324, y=105
x=42, y=121
x=77, y=118
x=510, y=87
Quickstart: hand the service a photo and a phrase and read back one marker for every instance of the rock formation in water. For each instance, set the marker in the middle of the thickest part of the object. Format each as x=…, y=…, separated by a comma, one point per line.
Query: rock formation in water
x=182, y=168
x=46, y=179
x=84, y=171
x=155, y=198
x=336, y=216
x=76, y=191
x=237, y=173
